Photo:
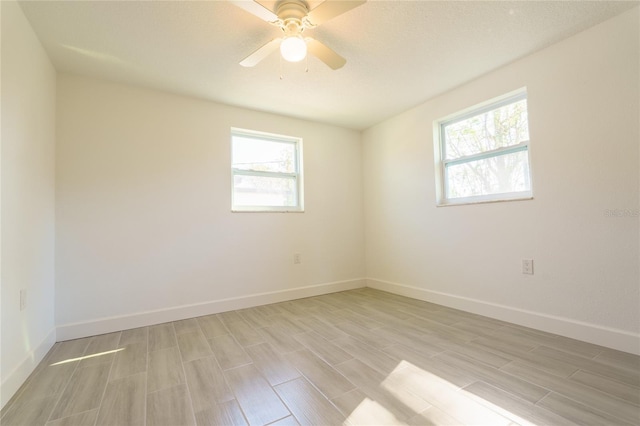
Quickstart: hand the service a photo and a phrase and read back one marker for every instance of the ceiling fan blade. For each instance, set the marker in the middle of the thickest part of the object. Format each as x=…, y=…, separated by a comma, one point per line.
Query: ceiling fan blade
x=256, y=9
x=326, y=55
x=329, y=9
x=257, y=56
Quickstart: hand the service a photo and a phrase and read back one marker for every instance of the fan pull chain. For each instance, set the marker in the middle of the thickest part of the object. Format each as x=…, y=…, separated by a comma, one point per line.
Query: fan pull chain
x=281, y=73
x=306, y=63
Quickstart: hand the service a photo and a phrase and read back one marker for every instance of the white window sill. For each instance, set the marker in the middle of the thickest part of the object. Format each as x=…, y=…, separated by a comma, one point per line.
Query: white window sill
x=264, y=211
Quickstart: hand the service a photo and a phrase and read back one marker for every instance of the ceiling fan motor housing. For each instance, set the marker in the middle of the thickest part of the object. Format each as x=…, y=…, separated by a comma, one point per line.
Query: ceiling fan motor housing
x=291, y=14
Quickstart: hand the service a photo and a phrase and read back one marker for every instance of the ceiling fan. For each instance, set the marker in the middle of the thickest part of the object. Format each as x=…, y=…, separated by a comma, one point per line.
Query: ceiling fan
x=293, y=17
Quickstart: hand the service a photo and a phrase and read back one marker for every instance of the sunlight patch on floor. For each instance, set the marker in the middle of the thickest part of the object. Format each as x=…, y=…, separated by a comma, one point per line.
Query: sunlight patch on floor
x=369, y=412
x=462, y=405
x=87, y=357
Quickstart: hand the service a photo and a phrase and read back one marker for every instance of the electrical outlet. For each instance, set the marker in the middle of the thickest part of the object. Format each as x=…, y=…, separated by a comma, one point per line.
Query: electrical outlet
x=527, y=266
x=297, y=258
x=23, y=299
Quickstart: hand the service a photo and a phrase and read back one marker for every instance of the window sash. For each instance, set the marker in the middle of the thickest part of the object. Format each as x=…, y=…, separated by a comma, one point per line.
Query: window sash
x=473, y=113
x=259, y=207
x=522, y=146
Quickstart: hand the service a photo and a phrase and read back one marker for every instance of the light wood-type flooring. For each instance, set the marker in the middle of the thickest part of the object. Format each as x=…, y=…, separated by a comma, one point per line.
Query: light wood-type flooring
x=355, y=357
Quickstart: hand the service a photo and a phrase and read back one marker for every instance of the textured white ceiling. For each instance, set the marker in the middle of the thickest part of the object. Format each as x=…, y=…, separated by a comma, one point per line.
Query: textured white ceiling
x=399, y=53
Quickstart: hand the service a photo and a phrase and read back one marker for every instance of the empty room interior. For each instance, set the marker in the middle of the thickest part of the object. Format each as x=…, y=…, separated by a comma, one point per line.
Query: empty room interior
x=320, y=213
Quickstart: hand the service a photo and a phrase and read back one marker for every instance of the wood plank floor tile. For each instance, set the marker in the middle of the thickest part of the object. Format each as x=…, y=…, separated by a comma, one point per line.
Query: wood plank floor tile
x=359, y=409
x=446, y=397
x=267, y=310
x=271, y=364
x=513, y=383
x=329, y=352
x=228, y=352
x=476, y=352
x=408, y=337
x=584, y=394
x=578, y=413
x=207, y=384
x=280, y=340
x=229, y=317
x=433, y=416
x=613, y=372
x=28, y=412
x=434, y=327
x=308, y=405
x=245, y=334
x=364, y=335
x=324, y=329
x=379, y=360
x=186, y=326
x=70, y=349
x=49, y=381
x=287, y=421
x=382, y=313
x=130, y=360
x=162, y=336
x=445, y=316
x=389, y=393
x=257, y=399
x=352, y=315
x=479, y=329
x=164, y=369
x=193, y=346
x=291, y=309
x=124, y=401
x=518, y=410
x=84, y=391
x=327, y=379
x=537, y=337
x=255, y=318
x=621, y=390
x=619, y=359
x=532, y=357
x=224, y=413
x=455, y=375
x=100, y=350
x=133, y=336
x=81, y=419
x=170, y=406
x=287, y=324
x=211, y=326
x=334, y=299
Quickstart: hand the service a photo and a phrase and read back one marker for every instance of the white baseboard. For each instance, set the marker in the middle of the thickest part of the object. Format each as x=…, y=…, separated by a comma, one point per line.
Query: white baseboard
x=17, y=377
x=592, y=333
x=143, y=319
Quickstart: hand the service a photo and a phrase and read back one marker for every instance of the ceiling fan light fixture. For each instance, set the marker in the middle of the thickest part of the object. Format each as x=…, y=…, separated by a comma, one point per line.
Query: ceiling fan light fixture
x=293, y=48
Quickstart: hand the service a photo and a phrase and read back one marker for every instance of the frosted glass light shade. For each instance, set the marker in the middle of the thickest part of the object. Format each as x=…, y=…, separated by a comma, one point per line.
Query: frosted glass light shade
x=293, y=49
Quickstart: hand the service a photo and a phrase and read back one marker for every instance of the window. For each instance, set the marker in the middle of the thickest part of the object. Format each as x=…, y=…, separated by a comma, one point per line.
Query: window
x=483, y=153
x=266, y=172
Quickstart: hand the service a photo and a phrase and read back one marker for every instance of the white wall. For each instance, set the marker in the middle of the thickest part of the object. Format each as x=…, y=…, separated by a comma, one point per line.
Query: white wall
x=143, y=211
x=27, y=171
x=583, y=100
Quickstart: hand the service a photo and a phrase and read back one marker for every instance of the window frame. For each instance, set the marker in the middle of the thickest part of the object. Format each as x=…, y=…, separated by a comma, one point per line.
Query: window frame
x=296, y=175
x=442, y=163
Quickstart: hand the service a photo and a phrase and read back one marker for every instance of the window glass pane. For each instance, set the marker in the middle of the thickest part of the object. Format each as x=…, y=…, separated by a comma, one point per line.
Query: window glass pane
x=264, y=191
x=501, y=174
x=501, y=127
x=263, y=155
